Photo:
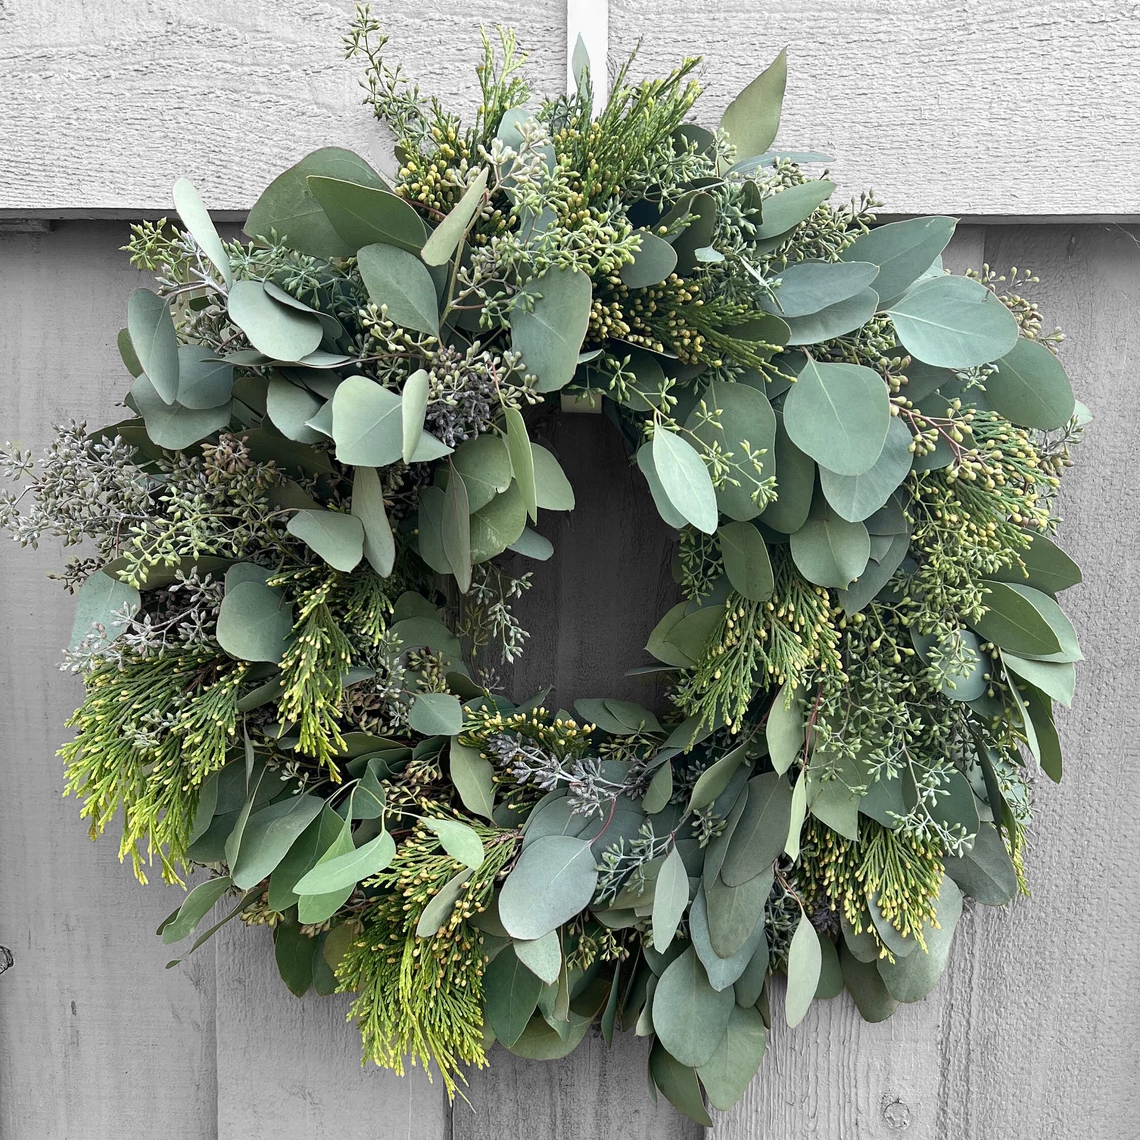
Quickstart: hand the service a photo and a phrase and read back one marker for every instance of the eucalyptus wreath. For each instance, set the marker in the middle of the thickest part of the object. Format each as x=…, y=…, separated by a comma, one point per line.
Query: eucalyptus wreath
x=303, y=545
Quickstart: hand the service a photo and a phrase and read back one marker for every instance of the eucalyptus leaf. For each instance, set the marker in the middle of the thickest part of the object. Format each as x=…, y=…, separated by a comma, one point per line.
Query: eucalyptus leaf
x=255, y=622
x=549, y=334
x=787, y=208
x=197, y=904
x=397, y=281
x=828, y=550
x=364, y=215
x=485, y=466
x=857, y=497
x=151, y=329
x=902, y=250
x=196, y=218
x=269, y=834
x=804, y=963
x=836, y=320
x=413, y=406
x=728, y=1073
x=784, y=728
x=753, y=117
x=542, y=956
x=954, y=322
x=288, y=208
x=436, y=714
x=173, y=426
x=203, y=382
x=1014, y=620
x=839, y=415
x=762, y=830
x=497, y=524
x=522, y=460
x=746, y=560
x=459, y=840
x=336, y=537
x=685, y=479
x=807, y=287
x=368, y=505
x=553, y=880
x=473, y=777
x=280, y=331
x=438, y=912
x=447, y=237
x=100, y=602
x=689, y=1016
x=348, y=869
x=1030, y=387
x=670, y=899
x=652, y=263
x=553, y=491
x=290, y=407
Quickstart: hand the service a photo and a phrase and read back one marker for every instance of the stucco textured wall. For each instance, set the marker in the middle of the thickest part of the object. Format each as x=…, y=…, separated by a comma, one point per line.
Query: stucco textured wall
x=943, y=106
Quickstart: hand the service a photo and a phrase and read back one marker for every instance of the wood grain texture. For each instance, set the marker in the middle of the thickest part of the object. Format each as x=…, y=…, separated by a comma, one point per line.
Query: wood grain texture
x=96, y=1039
x=290, y=1067
x=1030, y=1035
x=962, y=107
x=105, y=105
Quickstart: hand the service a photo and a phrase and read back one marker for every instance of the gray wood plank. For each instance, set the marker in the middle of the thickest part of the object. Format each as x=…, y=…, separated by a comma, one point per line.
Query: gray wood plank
x=290, y=1067
x=96, y=1039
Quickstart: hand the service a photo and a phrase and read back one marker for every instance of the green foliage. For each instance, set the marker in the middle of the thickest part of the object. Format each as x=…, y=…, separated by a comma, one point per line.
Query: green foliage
x=296, y=581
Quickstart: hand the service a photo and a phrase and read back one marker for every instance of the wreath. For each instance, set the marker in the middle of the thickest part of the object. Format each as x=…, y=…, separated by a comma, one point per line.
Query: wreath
x=304, y=543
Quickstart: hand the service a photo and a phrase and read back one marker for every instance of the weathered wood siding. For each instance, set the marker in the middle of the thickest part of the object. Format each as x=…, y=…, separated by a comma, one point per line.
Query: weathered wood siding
x=1031, y=1036
x=943, y=106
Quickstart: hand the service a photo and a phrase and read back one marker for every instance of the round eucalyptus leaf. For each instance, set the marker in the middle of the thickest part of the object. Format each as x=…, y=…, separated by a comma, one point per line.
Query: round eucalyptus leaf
x=549, y=333
x=366, y=423
x=808, y=287
x=728, y=1073
x=255, y=622
x=553, y=880
x=903, y=251
x=280, y=331
x=651, y=264
x=398, y=282
x=1030, y=388
x=363, y=215
x=99, y=602
x=203, y=381
x=288, y=209
x=839, y=415
x=689, y=1016
x=436, y=714
x=736, y=419
x=746, y=560
x=485, y=466
x=171, y=425
x=336, y=537
x=836, y=320
x=857, y=497
x=953, y=322
x=497, y=524
x=685, y=479
x=830, y=551
x=290, y=407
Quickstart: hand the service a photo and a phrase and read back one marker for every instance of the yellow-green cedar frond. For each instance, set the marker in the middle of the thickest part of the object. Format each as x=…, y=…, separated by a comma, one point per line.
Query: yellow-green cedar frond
x=149, y=732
